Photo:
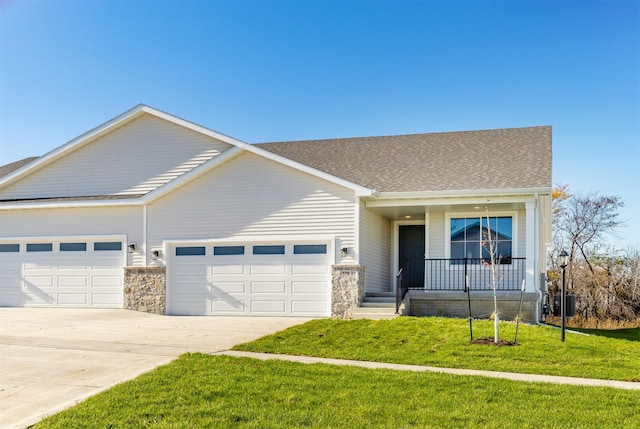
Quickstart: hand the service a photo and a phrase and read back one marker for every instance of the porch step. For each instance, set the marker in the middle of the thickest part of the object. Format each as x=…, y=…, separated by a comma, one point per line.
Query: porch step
x=379, y=294
x=374, y=313
x=380, y=305
x=378, y=300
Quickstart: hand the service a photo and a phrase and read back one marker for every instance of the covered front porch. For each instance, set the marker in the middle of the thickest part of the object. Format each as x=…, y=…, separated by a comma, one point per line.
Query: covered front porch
x=439, y=250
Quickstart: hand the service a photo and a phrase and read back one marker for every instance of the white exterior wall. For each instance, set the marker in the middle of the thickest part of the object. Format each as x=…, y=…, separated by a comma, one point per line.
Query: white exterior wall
x=521, y=232
x=78, y=222
x=437, y=239
x=251, y=196
x=134, y=159
x=375, y=251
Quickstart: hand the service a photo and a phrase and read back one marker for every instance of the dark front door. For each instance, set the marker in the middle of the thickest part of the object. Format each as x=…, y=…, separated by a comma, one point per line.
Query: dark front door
x=411, y=240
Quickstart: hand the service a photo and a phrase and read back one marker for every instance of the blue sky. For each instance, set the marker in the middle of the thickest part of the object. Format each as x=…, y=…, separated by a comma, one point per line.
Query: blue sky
x=288, y=70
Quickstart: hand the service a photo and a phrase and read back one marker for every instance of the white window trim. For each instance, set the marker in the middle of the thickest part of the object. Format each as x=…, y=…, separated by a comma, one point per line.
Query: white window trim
x=456, y=215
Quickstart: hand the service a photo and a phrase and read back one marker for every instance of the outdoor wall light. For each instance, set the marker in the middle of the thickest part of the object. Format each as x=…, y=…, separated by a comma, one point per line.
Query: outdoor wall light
x=344, y=252
x=132, y=247
x=155, y=255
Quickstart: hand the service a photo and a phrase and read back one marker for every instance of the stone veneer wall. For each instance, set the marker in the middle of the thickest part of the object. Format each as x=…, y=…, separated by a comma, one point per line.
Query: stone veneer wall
x=347, y=289
x=145, y=289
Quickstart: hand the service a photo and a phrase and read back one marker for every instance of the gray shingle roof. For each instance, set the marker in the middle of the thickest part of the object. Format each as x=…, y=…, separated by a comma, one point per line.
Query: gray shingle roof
x=9, y=168
x=510, y=158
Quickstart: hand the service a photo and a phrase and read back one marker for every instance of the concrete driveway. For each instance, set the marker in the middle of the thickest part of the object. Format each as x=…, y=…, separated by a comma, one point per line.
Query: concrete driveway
x=51, y=359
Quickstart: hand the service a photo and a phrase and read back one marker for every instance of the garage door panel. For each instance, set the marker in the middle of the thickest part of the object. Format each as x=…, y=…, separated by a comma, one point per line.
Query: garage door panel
x=268, y=269
x=108, y=300
x=38, y=265
x=73, y=299
x=268, y=287
x=70, y=265
x=39, y=281
x=228, y=305
x=228, y=269
x=72, y=281
x=308, y=307
x=222, y=287
x=38, y=297
x=190, y=269
x=275, y=307
x=101, y=281
x=305, y=287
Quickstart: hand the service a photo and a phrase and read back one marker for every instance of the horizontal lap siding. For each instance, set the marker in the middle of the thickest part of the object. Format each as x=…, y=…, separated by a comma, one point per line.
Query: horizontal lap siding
x=521, y=230
x=78, y=222
x=375, y=251
x=134, y=159
x=253, y=196
x=437, y=234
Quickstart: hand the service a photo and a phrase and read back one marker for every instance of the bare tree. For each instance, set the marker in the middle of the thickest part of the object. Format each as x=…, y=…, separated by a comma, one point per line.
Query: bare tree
x=584, y=221
x=606, y=281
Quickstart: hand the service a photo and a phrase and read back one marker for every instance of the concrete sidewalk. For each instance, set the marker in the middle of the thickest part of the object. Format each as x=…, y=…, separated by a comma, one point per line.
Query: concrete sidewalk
x=51, y=359
x=534, y=378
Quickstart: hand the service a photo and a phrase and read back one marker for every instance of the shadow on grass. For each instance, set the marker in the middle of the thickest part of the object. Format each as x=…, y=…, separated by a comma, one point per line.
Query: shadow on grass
x=622, y=334
x=632, y=334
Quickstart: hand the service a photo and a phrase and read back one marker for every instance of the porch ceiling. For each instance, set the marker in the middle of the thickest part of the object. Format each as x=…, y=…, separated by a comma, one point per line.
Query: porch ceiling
x=413, y=212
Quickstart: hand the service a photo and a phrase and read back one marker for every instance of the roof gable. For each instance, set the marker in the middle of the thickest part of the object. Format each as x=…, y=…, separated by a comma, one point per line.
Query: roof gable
x=512, y=158
x=138, y=155
x=135, y=158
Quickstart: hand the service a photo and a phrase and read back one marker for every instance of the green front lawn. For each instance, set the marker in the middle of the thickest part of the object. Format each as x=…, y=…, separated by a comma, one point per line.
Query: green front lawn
x=437, y=341
x=201, y=391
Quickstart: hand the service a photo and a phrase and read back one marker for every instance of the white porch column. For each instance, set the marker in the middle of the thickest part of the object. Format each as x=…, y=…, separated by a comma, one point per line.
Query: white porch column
x=531, y=237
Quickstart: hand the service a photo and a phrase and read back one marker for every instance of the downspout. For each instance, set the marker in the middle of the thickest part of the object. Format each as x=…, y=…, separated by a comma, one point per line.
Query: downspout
x=144, y=235
x=536, y=256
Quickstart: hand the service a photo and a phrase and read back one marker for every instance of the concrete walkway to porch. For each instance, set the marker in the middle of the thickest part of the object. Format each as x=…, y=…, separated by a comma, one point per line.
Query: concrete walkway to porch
x=534, y=378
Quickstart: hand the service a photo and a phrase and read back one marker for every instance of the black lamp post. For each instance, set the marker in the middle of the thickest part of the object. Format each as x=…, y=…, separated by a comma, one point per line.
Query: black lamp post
x=564, y=260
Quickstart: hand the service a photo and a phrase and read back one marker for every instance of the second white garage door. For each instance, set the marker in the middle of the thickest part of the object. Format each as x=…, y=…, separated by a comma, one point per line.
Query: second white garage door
x=279, y=279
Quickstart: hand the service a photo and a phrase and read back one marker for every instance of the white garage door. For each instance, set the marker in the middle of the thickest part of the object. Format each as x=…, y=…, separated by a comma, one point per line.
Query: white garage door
x=279, y=279
x=62, y=273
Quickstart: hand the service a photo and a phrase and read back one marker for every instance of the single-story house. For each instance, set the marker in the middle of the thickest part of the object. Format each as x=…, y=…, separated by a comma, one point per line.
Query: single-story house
x=153, y=213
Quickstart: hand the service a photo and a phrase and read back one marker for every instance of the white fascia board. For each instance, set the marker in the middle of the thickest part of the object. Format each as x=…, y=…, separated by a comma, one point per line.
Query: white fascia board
x=391, y=199
x=70, y=204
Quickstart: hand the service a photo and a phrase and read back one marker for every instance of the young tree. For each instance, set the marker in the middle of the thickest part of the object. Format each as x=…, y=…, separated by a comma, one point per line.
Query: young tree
x=489, y=244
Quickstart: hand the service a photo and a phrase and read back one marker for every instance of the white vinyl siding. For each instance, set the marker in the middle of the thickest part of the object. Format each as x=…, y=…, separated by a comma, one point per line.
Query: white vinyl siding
x=78, y=222
x=375, y=250
x=252, y=196
x=134, y=159
x=521, y=231
x=436, y=232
